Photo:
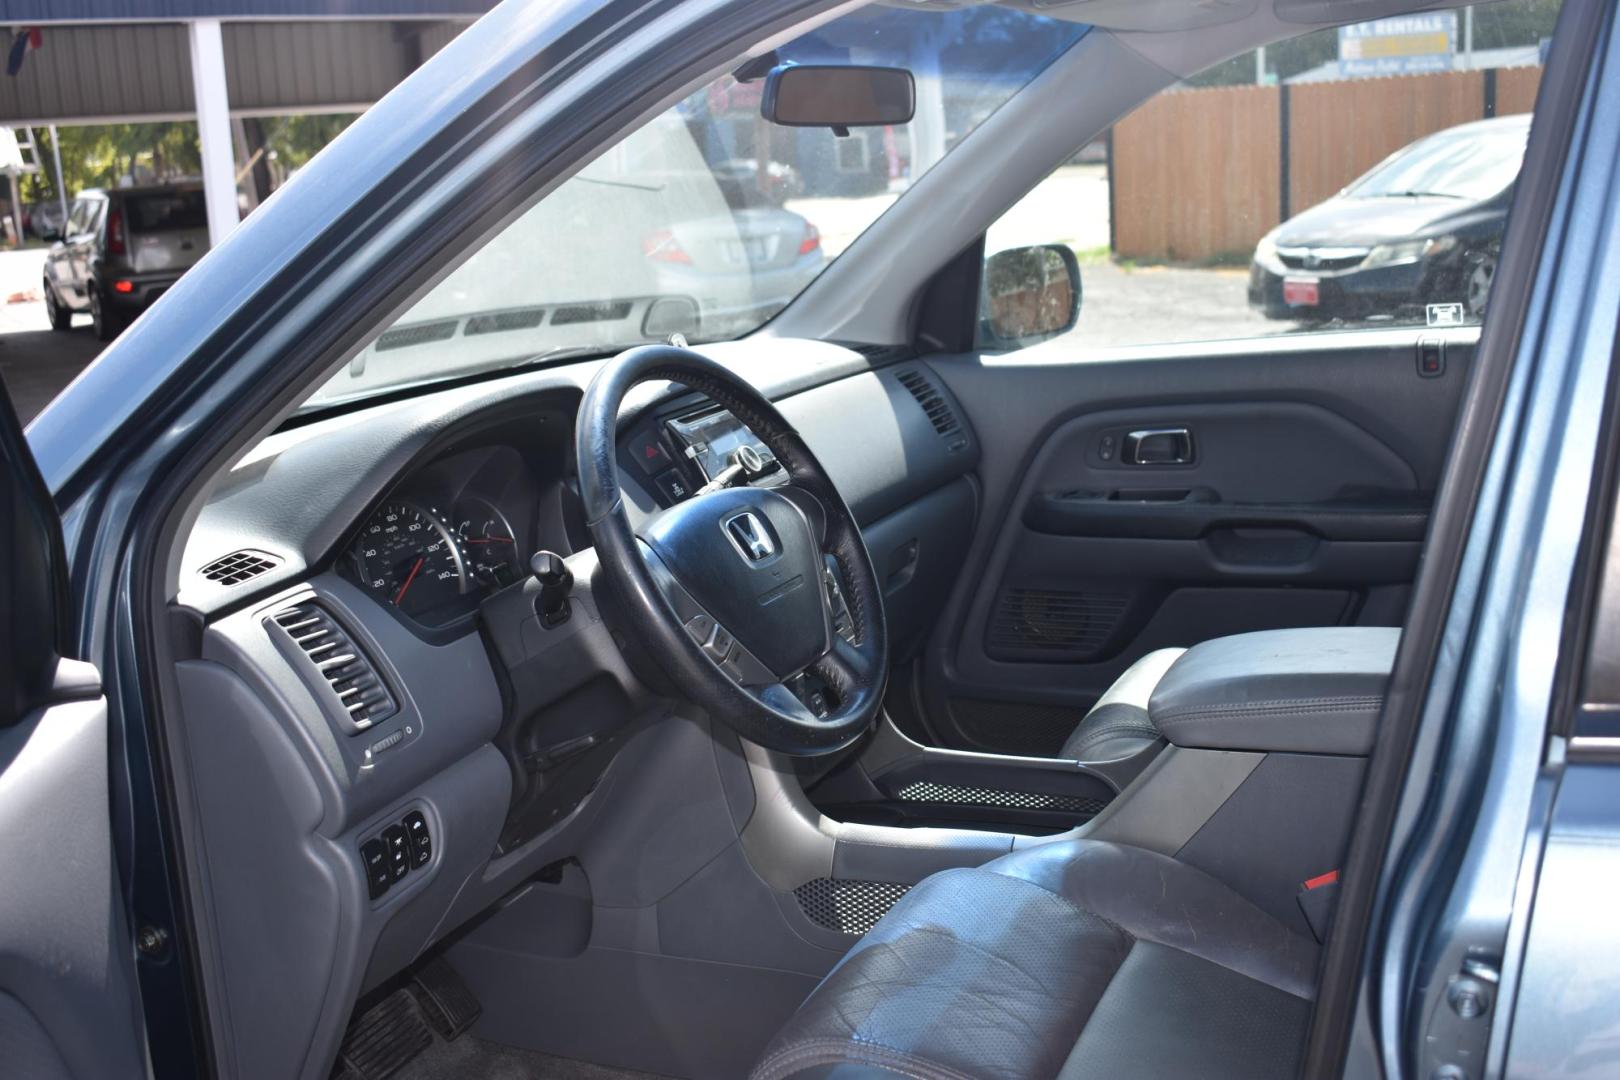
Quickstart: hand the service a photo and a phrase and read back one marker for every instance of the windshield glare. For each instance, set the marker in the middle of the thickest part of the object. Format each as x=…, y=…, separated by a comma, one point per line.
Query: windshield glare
x=1467, y=164
x=708, y=220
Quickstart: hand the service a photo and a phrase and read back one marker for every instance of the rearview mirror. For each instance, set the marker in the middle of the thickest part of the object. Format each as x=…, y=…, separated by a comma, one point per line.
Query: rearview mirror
x=837, y=97
x=1030, y=294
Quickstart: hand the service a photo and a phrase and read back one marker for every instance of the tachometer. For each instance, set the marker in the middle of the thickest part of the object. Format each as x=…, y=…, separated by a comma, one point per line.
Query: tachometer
x=409, y=557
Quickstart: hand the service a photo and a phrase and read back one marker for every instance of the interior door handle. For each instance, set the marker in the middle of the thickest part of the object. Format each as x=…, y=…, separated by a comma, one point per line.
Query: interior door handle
x=1158, y=446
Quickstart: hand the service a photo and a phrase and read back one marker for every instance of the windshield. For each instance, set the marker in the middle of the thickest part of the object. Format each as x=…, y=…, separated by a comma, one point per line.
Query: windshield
x=708, y=220
x=1473, y=163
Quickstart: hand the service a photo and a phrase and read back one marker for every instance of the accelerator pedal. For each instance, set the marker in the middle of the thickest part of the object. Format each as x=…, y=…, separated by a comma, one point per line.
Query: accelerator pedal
x=446, y=1002
x=381, y=1040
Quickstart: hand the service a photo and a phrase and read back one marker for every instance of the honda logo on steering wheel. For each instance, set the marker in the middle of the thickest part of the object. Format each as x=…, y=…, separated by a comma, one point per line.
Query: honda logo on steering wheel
x=749, y=536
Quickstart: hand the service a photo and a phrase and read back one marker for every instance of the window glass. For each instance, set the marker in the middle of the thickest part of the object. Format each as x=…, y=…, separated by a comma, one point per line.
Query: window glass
x=708, y=220
x=1348, y=179
x=76, y=223
x=167, y=212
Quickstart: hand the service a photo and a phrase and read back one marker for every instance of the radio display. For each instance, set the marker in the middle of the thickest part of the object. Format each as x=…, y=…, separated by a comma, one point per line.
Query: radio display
x=710, y=440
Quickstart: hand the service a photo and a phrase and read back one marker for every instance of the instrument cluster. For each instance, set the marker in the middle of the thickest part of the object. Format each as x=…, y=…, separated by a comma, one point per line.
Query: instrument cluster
x=451, y=534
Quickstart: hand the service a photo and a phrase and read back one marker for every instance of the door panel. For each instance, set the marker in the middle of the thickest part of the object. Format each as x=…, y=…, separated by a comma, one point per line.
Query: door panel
x=67, y=1006
x=1276, y=484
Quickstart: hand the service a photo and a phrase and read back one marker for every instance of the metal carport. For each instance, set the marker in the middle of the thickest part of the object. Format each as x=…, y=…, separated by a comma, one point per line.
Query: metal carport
x=215, y=61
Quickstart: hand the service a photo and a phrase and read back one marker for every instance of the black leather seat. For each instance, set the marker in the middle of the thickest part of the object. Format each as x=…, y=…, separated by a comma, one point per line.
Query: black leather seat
x=1073, y=959
x=1118, y=725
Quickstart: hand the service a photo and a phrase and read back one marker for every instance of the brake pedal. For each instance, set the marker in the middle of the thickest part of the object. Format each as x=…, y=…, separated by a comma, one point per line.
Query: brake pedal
x=446, y=1002
x=381, y=1040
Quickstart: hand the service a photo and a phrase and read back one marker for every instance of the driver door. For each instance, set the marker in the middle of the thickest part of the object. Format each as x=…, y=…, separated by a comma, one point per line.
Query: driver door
x=67, y=1001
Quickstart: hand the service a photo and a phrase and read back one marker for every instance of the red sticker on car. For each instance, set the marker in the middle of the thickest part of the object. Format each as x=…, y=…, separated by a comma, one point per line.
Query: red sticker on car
x=1301, y=293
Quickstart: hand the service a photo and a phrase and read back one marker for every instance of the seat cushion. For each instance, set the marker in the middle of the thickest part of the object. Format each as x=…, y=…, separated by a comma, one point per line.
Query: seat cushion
x=1072, y=959
x=1118, y=725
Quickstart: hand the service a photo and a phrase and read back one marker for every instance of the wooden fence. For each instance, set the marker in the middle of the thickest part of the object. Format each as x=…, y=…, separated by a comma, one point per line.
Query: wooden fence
x=1201, y=175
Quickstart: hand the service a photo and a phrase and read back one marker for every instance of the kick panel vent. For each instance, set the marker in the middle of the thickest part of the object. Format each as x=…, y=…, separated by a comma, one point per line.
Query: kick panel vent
x=340, y=662
x=848, y=906
x=1053, y=624
x=939, y=411
x=239, y=566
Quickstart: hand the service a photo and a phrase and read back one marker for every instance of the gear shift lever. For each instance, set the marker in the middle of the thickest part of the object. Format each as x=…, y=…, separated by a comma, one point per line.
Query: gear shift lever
x=556, y=580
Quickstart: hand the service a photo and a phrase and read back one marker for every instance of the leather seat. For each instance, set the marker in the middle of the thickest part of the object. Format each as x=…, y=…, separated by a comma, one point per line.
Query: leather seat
x=1073, y=959
x=1118, y=725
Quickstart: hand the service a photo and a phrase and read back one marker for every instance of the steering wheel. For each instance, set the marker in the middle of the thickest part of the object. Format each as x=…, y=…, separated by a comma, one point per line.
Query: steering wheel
x=726, y=590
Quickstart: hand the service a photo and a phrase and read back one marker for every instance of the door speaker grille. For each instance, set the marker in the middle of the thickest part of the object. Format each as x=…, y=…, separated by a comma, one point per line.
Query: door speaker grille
x=1053, y=624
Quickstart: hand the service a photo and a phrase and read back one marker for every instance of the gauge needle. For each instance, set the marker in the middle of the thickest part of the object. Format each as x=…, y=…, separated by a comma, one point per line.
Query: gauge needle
x=400, y=598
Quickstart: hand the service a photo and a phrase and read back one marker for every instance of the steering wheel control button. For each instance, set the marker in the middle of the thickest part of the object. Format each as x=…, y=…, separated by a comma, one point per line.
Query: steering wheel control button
x=672, y=486
x=719, y=644
x=701, y=627
x=416, y=830
x=375, y=857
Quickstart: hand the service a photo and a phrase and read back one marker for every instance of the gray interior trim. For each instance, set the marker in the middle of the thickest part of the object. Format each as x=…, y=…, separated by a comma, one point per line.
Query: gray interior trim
x=1170, y=801
x=67, y=959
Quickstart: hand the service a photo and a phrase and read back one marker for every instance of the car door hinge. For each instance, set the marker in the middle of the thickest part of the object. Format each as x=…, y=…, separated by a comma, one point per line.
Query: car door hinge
x=1459, y=1030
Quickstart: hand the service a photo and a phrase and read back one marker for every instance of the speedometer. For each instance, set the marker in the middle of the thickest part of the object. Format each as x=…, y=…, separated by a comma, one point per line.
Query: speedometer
x=408, y=556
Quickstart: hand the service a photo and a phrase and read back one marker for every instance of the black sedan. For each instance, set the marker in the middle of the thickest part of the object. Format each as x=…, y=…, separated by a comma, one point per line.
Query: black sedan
x=1416, y=237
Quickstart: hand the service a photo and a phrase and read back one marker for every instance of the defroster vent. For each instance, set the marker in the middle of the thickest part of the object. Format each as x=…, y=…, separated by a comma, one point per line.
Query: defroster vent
x=340, y=662
x=238, y=566
x=939, y=411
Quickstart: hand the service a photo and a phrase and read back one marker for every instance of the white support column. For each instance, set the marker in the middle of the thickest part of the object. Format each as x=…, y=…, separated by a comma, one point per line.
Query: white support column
x=213, y=127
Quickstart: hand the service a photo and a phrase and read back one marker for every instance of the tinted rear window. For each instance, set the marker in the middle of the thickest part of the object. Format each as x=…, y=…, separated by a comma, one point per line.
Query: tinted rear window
x=162, y=213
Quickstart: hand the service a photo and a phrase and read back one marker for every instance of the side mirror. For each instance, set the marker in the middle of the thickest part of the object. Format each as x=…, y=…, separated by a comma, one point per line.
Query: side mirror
x=838, y=97
x=1030, y=294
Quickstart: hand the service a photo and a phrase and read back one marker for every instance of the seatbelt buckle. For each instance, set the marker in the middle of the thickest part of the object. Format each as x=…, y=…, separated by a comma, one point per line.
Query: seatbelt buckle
x=1318, y=898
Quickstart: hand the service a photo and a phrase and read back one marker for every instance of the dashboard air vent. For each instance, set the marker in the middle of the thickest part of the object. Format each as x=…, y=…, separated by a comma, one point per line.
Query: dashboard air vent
x=239, y=566
x=339, y=661
x=939, y=411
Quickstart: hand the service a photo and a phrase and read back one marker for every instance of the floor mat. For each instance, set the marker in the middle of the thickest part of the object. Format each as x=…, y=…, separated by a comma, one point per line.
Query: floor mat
x=469, y=1058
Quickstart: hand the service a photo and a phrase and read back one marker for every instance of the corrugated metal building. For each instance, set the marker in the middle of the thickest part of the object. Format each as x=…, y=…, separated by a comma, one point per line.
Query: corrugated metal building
x=117, y=61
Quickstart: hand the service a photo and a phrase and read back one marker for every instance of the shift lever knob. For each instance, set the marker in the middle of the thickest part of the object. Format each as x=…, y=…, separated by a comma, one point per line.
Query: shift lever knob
x=556, y=581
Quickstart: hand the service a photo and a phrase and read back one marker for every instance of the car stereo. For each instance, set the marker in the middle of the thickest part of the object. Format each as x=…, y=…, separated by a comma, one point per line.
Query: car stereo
x=712, y=440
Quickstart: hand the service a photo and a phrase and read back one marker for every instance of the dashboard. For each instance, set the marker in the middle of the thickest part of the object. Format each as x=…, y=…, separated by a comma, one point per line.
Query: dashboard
x=387, y=550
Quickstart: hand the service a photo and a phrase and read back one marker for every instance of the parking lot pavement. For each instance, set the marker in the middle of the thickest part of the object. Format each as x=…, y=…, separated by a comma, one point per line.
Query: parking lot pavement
x=1152, y=305
x=36, y=362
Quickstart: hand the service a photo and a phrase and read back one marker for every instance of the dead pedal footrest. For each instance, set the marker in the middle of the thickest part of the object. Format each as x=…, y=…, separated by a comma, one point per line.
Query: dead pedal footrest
x=381, y=1040
x=446, y=1002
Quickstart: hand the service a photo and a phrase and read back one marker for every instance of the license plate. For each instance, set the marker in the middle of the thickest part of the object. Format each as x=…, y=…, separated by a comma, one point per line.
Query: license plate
x=752, y=250
x=1301, y=292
